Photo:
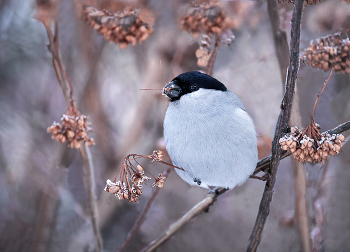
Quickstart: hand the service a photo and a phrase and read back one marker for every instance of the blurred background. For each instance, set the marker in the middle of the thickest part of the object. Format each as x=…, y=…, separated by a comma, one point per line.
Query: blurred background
x=43, y=200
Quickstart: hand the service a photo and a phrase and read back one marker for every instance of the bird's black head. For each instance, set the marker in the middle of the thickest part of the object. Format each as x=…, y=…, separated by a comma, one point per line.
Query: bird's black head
x=190, y=82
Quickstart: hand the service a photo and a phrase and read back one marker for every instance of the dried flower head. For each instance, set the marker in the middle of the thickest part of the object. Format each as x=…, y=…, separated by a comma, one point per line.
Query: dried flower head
x=330, y=52
x=72, y=129
x=310, y=145
x=130, y=178
x=307, y=2
x=157, y=156
x=159, y=181
x=122, y=28
x=206, y=18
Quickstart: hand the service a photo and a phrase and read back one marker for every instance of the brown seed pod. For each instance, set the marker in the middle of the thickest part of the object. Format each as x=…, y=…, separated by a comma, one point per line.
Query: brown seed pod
x=310, y=145
x=330, y=52
x=122, y=28
x=206, y=18
x=72, y=129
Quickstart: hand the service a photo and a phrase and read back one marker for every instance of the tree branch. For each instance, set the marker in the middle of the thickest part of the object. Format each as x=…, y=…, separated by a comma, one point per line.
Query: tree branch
x=282, y=125
x=84, y=151
x=197, y=209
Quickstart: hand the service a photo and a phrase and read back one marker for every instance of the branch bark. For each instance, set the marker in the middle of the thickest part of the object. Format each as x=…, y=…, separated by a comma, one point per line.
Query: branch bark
x=282, y=125
x=281, y=48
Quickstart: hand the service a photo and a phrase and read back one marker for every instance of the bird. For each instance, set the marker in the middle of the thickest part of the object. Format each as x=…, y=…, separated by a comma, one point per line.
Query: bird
x=208, y=132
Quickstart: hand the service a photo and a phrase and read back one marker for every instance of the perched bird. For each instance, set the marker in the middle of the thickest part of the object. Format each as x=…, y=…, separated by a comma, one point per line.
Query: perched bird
x=208, y=132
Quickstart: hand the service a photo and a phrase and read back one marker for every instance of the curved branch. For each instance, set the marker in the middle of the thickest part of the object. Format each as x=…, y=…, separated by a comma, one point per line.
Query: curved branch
x=197, y=209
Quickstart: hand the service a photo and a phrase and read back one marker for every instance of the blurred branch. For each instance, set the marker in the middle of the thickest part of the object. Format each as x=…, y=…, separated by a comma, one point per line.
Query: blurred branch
x=319, y=208
x=212, y=58
x=300, y=185
x=142, y=216
x=202, y=206
x=280, y=38
x=84, y=152
x=282, y=126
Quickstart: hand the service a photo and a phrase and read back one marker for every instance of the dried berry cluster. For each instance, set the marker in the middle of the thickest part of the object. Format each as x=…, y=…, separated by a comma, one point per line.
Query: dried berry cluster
x=72, y=129
x=330, y=52
x=310, y=145
x=307, y=2
x=122, y=28
x=130, y=178
x=205, y=18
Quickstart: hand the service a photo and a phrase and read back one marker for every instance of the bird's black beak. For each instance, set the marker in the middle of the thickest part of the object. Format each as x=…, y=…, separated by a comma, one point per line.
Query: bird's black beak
x=172, y=90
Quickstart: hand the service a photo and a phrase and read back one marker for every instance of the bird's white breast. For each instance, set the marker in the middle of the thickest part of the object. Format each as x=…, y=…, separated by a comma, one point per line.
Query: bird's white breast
x=209, y=134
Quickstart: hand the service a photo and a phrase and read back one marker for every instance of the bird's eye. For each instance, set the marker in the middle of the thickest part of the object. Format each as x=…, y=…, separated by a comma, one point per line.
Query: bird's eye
x=193, y=88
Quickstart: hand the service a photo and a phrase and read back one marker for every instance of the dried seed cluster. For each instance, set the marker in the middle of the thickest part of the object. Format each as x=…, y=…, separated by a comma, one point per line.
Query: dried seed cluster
x=306, y=147
x=330, y=52
x=130, y=178
x=122, y=28
x=307, y=2
x=72, y=129
x=205, y=18
x=124, y=191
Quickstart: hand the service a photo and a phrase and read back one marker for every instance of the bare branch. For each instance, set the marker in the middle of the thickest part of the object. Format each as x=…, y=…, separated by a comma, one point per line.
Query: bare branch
x=84, y=151
x=282, y=125
x=197, y=209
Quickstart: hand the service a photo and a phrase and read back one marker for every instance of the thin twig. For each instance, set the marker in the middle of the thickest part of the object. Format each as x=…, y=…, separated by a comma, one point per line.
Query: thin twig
x=84, y=151
x=142, y=216
x=212, y=58
x=197, y=209
x=319, y=94
x=282, y=125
